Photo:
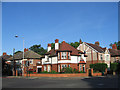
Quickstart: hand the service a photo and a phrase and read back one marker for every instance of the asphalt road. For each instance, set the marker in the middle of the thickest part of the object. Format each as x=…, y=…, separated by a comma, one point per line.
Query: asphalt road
x=71, y=82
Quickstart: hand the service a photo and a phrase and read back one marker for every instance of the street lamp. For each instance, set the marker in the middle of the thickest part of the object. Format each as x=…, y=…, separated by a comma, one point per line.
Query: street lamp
x=23, y=52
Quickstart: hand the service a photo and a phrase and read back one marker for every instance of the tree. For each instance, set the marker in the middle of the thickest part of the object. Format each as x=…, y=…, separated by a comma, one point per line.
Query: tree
x=38, y=49
x=17, y=52
x=117, y=44
x=75, y=44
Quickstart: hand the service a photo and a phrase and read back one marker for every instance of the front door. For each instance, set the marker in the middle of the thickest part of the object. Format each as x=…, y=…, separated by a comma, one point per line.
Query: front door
x=39, y=70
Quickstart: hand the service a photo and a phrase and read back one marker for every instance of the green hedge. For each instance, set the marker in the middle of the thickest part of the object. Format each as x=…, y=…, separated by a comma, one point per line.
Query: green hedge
x=114, y=67
x=99, y=67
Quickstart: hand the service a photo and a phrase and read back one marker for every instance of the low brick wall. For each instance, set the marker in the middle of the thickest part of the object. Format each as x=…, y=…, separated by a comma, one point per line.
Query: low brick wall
x=57, y=75
x=97, y=74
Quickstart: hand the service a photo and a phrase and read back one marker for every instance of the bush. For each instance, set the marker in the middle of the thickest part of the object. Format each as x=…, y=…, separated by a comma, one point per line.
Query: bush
x=81, y=72
x=54, y=72
x=75, y=71
x=44, y=72
x=67, y=70
x=114, y=67
x=99, y=67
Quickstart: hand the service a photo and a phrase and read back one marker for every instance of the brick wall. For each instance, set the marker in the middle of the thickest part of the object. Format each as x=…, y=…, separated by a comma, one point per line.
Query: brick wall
x=58, y=75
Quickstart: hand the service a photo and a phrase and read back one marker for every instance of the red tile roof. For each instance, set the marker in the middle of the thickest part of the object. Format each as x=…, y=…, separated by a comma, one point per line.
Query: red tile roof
x=65, y=47
x=96, y=47
x=114, y=52
x=82, y=61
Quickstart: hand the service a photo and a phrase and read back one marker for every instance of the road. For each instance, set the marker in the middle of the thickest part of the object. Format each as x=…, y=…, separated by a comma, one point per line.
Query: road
x=71, y=82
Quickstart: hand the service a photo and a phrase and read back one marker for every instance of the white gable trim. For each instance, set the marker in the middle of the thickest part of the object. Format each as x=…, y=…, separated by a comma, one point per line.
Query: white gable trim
x=90, y=47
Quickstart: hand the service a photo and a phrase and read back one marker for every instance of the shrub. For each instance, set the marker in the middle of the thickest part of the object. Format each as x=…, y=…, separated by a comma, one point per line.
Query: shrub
x=44, y=72
x=81, y=72
x=99, y=67
x=54, y=72
x=75, y=70
x=113, y=67
x=67, y=70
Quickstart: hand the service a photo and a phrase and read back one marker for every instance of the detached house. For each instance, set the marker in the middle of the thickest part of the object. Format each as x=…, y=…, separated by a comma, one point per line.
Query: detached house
x=115, y=54
x=31, y=61
x=63, y=55
x=95, y=53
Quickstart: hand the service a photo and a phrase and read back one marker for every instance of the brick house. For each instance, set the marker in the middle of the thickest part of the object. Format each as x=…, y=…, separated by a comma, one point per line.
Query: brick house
x=31, y=61
x=115, y=54
x=95, y=53
x=63, y=55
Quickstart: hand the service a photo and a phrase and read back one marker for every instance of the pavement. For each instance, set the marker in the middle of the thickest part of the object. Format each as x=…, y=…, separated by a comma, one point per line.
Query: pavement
x=60, y=82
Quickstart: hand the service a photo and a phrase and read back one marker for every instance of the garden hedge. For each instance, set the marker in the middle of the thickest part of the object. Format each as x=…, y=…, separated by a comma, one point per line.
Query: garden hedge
x=99, y=67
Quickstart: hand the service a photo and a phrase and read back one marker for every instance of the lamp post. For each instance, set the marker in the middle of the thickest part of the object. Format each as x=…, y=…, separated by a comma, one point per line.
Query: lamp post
x=23, y=55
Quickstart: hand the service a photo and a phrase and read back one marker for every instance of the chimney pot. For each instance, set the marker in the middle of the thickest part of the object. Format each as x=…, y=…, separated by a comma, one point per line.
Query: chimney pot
x=114, y=46
x=97, y=43
x=57, y=40
x=49, y=45
x=4, y=53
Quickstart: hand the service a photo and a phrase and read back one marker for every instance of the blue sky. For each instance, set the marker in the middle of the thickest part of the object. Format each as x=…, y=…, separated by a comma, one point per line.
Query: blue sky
x=42, y=23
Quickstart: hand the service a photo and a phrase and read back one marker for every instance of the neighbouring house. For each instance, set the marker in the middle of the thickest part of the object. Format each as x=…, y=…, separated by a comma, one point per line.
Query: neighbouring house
x=115, y=54
x=31, y=61
x=63, y=55
x=95, y=53
x=6, y=65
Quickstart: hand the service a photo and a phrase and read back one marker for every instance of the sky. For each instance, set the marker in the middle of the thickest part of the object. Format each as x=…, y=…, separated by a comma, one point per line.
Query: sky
x=43, y=22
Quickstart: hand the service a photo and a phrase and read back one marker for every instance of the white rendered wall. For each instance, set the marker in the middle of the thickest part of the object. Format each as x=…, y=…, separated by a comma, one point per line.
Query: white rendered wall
x=56, y=46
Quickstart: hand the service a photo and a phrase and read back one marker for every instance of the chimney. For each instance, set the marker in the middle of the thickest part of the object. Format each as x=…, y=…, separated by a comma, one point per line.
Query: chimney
x=49, y=47
x=80, y=41
x=4, y=53
x=114, y=46
x=56, y=44
x=97, y=43
x=25, y=49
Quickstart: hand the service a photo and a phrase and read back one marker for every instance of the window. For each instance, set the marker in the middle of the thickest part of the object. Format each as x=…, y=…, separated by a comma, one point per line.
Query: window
x=47, y=58
x=63, y=55
x=31, y=61
x=68, y=55
x=80, y=67
x=44, y=68
x=101, y=57
x=64, y=66
x=69, y=65
x=83, y=68
x=107, y=57
x=58, y=55
x=48, y=68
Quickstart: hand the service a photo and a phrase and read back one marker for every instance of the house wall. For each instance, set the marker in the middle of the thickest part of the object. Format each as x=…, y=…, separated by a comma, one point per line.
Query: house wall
x=93, y=56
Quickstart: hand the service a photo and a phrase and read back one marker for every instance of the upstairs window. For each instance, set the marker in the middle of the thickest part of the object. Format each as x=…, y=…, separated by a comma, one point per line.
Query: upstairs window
x=64, y=55
x=31, y=61
x=68, y=55
x=58, y=55
x=101, y=57
x=107, y=57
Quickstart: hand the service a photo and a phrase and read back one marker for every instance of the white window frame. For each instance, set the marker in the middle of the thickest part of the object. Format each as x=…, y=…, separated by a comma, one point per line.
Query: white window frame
x=101, y=57
x=80, y=67
x=64, y=55
x=48, y=68
x=84, y=68
x=45, y=68
x=31, y=61
x=68, y=55
x=64, y=66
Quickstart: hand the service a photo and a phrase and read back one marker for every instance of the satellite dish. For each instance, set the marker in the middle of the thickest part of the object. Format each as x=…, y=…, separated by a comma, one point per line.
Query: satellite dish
x=16, y=36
